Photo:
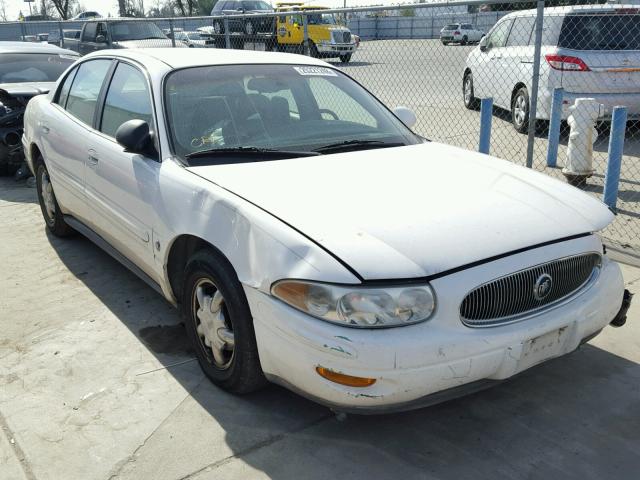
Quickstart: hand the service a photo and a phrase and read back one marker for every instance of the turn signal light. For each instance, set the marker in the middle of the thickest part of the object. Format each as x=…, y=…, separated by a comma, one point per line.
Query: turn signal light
x=343, y=379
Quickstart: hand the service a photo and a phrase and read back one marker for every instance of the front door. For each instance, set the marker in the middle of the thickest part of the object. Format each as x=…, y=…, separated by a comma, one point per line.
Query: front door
x=122, y=187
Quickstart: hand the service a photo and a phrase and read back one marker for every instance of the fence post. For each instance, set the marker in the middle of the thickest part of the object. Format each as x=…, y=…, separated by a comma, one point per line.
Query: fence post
x=486, y=115
x=305, y=35
x=431, y=32
x=614, y=163
x=61, y=32
x=413, y=21
x=533, y=98
x=227, y=38
x=173, y=35
x=554, y=127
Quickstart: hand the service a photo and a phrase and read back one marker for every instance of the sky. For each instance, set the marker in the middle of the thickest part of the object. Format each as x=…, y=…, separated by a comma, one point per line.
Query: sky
x=105, y=7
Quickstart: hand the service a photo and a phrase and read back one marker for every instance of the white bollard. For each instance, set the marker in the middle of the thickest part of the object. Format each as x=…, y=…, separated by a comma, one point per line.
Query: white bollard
x=579, y=164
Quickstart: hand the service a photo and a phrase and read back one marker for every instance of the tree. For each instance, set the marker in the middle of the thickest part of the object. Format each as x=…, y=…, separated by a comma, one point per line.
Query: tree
x=64, y=7
x=3, y=11
x=205, y=7
x=122, y=8
x=186, y=7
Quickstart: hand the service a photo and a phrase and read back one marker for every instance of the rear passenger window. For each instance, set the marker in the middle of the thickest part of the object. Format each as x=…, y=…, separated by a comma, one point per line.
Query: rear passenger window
x=83, y=96
x=63, y=94
x=127, y=99
x=521, y=32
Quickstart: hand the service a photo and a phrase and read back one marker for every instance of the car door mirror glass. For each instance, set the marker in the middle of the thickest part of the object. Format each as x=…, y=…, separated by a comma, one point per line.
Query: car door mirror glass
x=406, y=116
x=101, y=39
x=483, y=44
x=135, y=136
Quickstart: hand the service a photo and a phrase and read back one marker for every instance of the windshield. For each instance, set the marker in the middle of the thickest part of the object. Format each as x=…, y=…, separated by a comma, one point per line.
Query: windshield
x=601, y=32
x=33, y=67
x=281, y=107
x=321, y=19
x=248, y=5
x=121, y=31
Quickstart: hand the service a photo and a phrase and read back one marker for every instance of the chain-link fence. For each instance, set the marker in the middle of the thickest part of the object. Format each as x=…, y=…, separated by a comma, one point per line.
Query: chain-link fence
x=440, y=60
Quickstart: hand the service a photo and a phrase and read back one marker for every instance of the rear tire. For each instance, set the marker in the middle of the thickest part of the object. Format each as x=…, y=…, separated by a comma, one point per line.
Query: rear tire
x=313, y=50
x=53, y=217
x=465, y=40
x=219, y=323
x=218, y=28
x=249, y=29
x=520, y=110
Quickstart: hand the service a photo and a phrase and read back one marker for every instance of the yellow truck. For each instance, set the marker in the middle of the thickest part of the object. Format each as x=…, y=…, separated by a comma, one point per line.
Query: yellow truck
x=327, y=39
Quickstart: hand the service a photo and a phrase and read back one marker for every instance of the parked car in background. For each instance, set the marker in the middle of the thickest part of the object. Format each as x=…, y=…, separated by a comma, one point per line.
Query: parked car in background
x=250, y=24
x=590, y=51
x=118, y=34
x=462, y=33
x=26, y=70
x=208, y=173
x=89, y=15
x=193, y=39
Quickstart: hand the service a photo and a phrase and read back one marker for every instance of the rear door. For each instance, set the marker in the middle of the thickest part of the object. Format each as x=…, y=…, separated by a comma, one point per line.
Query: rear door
x=604, y=50
x=67, y=130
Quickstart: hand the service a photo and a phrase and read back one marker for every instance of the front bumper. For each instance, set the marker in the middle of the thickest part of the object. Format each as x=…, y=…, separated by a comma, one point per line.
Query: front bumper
x=420, y=364
x=336, y=48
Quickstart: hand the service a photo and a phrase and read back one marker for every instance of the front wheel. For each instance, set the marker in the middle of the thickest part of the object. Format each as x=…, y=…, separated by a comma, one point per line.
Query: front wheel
x=520, y=110
x=345, y=58
x=470, y=101
x=218, y=28
x=51, y=212
x=219, y=324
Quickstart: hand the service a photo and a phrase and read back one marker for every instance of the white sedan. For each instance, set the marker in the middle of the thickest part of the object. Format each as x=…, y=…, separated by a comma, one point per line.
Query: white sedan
x=308, y=236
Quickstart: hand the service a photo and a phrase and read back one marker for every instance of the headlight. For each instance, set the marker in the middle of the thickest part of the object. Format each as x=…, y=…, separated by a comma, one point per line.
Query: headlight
x=358, y=306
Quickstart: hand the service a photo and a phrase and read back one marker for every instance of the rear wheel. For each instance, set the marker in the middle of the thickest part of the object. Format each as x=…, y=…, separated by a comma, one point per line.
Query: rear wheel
x=465, y=40
x=345, y=58
x=313, y=50
x=51, y=212
x=219, y=324
x=520, y=110
x=470, y=101
x=248, y=28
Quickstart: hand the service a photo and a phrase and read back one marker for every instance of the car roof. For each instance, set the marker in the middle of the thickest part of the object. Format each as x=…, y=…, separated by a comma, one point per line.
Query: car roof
x=183, y=57
x=33, y=47
x=560, y=11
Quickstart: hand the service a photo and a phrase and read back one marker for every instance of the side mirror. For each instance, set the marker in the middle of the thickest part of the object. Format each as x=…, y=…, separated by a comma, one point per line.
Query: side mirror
x=483, y=44
x=406, y=116
x=101, y=39
x=136, y=137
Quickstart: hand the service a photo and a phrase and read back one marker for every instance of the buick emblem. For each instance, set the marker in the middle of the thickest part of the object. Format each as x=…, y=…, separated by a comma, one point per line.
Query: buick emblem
x=542, y=287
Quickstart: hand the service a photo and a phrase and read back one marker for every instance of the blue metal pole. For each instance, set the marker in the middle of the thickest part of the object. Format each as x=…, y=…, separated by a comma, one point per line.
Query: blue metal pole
x=616, y=147
x=486, y=111
x=554, y=127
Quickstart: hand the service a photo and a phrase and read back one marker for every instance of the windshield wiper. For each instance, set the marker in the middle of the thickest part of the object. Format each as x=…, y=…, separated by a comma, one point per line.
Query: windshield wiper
x=251, y=151
x=355, y=145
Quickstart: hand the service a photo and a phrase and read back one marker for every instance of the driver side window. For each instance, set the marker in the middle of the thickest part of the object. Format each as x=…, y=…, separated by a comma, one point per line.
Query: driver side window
x=498, y=37
x=333, y=102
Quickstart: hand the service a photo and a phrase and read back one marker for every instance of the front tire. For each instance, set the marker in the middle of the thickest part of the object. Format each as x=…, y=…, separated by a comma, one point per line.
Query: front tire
x=219, y=324
x=520, y=110
x=345, y=58
x=218, y=28
x=249, y=29
x=468, y=94
x=51, y=212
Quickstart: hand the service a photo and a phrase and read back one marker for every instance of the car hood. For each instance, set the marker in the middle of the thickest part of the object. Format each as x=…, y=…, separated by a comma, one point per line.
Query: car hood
x=26, y=89
x=149, y=43
x=413, y=211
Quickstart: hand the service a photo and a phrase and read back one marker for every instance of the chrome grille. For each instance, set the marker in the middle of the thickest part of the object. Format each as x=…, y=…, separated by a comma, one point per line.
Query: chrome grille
x=341, y=37
x=514, y=296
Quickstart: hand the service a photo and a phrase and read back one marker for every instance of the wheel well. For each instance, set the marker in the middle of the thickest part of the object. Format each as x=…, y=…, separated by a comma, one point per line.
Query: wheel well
x=515, y=90
x=35, y=153
x=181, y=251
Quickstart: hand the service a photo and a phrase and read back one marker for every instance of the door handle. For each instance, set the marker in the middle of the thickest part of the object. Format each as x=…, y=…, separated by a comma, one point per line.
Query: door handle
x=92, y=159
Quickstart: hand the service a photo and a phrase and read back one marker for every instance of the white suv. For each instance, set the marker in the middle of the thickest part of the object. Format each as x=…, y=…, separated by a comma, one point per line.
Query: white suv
x=462, y=33
x=590, y=51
